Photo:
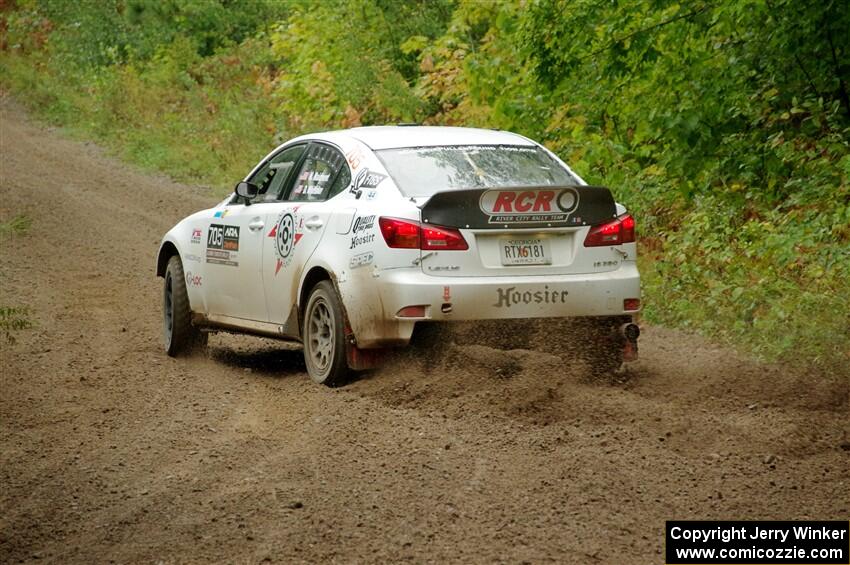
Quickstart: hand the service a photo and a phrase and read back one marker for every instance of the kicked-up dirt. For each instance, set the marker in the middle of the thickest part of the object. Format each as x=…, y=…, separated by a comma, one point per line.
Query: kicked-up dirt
x=111, y=451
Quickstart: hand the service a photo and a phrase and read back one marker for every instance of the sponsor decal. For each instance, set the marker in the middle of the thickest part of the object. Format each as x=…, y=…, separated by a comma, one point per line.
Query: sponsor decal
x=371, y=194
x=219, y=257
x=192, y=258
x=507, y=297
x=447, y=294
x=606, y=263
x=197, y=234
x=354, y=158
x=221, y=213
x=286, y=233
x=225, y=237
x=361, y=225
x=193, y=279
x=361, y=260
x=223, y=244
x=529, y=206
x=366, y=180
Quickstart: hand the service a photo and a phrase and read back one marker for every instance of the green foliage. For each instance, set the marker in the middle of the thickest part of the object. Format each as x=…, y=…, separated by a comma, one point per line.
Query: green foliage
x=19, y=225
x=341, y=63
x=13, y=319
x=724, y=126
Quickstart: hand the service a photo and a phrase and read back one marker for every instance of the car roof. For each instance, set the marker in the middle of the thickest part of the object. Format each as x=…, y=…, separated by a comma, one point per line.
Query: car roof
x=393, y=137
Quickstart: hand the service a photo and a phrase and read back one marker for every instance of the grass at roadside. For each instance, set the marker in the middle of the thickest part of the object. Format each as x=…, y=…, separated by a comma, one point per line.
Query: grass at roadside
x=14, y=318
x=159, y=119
x=18, y=225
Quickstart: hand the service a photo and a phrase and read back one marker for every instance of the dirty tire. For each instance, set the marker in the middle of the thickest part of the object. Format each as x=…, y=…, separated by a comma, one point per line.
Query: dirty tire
x=324, y=336
x=179, y=334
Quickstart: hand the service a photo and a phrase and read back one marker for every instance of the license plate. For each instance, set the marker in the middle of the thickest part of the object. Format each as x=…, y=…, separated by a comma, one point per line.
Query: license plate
x=525, y=252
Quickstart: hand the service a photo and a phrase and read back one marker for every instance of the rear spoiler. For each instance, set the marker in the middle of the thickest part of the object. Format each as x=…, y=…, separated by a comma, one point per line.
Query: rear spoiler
x=521, y=207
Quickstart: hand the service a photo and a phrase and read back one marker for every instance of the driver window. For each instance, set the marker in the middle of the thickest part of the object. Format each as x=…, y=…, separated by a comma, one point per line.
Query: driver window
x=271, y=177
x=322, y=165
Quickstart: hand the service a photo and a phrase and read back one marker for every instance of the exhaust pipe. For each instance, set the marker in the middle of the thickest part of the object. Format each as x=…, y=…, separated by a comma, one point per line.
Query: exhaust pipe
x=630, y=331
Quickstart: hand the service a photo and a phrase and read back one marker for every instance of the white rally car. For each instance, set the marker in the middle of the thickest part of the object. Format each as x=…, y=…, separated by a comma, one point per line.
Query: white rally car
x=346, y=240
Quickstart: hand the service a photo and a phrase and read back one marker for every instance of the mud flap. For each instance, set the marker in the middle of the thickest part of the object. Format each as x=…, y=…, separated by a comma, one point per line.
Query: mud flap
x=629, y=334
x=630, y=351
x=363, y=359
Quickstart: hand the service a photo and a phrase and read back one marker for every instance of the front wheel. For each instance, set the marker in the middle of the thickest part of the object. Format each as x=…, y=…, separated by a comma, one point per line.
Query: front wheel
x=178, y=332
x=324, y=336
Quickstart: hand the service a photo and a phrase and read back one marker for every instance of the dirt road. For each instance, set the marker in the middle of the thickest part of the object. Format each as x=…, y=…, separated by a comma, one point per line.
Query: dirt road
x=112, y=451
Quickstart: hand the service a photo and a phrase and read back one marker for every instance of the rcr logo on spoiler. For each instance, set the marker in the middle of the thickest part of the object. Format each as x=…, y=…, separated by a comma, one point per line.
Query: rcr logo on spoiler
x=529, y=206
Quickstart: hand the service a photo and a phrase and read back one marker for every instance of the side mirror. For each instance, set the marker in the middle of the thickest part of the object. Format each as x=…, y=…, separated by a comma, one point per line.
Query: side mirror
x=247, y=190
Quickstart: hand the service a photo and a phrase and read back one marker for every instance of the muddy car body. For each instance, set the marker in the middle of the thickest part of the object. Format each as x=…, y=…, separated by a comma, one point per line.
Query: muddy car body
x=346, y=240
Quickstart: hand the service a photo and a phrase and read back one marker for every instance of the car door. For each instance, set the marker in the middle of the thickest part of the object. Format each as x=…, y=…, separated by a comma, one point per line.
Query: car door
x=298, y=226
x=235, y=242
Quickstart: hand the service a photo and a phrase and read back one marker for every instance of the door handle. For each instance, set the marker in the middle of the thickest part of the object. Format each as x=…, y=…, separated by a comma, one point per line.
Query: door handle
x=314, y=223
x=256, y=225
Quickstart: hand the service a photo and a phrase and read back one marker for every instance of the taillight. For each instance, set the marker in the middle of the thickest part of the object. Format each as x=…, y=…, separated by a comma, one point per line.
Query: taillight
x=400, y=234
x=408, y=234
x=621, y=230
x=438, y=237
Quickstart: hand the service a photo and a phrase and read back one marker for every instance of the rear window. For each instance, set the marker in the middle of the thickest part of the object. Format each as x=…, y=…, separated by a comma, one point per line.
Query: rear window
x=422, y=171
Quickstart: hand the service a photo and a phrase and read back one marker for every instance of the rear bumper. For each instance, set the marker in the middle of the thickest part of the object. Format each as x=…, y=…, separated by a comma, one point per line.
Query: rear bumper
x=491, y=298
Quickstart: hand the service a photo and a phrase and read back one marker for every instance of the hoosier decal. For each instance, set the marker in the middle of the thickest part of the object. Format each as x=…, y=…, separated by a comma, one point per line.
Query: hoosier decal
x=507, y=297
x=529, y=206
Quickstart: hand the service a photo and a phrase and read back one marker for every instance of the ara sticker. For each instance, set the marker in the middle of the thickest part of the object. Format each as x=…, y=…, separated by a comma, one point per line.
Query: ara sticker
x=223, y=245
x=286, y=233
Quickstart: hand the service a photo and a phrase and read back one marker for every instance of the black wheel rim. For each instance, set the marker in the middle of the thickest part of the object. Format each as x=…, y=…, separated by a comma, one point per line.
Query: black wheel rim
x=168, y=307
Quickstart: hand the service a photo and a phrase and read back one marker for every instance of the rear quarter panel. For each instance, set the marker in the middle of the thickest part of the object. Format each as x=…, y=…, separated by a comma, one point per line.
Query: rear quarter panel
x=354, y=252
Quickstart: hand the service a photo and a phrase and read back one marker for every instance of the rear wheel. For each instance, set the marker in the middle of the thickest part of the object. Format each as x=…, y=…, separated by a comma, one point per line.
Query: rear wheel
x=324, y=336
x=178, y=332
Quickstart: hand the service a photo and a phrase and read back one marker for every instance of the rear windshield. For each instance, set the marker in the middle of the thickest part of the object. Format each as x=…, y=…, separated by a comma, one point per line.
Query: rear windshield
x=422, y=171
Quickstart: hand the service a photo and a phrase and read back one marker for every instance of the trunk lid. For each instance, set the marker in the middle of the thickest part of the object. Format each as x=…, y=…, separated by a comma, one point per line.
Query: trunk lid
x=521, y=231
